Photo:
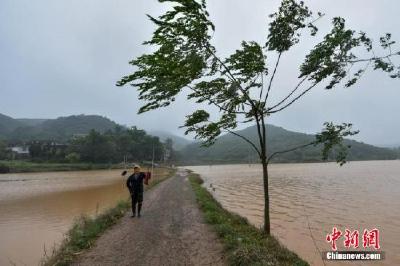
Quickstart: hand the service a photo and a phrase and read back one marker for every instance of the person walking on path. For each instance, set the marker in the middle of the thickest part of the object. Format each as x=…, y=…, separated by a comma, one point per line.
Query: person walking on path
x=135, y=186
x=169, y=238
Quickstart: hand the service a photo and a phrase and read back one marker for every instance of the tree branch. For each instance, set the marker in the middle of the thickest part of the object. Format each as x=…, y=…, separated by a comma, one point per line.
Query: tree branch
x=289, y=150
x=369, y=60
x=272, y=78
x=270, y=111
x=218, y=105
x=231, y=76
x=264, y=148
x=253, y=82
x=374, y=58
x=290, y=94
x=259, y=132
x=246, y=139
x=262, y=86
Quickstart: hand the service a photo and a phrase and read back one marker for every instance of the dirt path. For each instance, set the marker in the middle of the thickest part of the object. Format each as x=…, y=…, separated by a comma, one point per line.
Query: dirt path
x=170, y=232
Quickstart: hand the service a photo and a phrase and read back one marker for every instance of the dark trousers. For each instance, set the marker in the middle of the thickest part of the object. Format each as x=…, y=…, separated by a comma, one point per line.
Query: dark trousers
x=137, y=198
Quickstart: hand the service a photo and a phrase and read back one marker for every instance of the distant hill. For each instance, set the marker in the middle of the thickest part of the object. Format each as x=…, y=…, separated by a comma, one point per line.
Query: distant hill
x=31, y=121
x=178, y=142
x=227, y=149
x=63, y=128
x=231, y=149
x=60, y=129
x=8, y=125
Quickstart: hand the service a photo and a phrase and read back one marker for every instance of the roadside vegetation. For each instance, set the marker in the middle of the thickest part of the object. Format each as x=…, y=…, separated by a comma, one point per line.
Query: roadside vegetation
x=244, y=244
x=86, y=229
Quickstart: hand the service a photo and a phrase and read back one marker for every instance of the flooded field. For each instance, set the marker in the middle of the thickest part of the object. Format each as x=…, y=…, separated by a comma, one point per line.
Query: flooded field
x=38, y=208
x=315, y=197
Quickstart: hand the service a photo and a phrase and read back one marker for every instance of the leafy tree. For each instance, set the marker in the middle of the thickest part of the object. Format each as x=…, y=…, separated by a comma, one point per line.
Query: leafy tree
x=169, y=150
x=139, y=146
x=35, y=149
x=73, y=157
x=47, y=150
x=397, y=150
x=3, y=150
x=114, y=146
x=240, y=85
x=95, y=147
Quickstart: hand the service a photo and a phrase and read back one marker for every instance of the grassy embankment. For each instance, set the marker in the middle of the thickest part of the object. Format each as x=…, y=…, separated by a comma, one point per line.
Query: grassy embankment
x=244, y=243
x=26, y=166
x=86, y=230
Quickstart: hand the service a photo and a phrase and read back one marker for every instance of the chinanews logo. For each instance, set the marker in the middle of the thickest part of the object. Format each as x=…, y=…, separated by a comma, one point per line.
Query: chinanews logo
x=369, y=249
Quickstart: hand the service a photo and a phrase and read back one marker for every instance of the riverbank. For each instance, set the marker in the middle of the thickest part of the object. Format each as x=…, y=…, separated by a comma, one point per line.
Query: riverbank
x=27, y=167
x=86, y=230
x=244, y=244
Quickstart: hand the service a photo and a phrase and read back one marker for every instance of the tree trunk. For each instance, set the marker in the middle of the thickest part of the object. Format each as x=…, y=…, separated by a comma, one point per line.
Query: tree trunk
x=267, y=225
x=262, y=135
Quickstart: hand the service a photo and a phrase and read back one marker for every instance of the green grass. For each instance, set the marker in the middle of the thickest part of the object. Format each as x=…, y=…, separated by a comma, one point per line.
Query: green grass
x=19, y=166
x=244, y=244
x=83, y=234
x=86, y=230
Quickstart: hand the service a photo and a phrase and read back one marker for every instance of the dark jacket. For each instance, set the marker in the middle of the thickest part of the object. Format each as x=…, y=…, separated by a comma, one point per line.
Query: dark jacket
x=135, y=185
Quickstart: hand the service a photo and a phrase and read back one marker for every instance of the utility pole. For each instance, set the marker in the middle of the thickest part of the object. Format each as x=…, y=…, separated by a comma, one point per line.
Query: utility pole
x=152, y=161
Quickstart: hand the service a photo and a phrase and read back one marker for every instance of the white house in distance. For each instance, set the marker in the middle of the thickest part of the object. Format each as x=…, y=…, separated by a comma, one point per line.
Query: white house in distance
x=19, y=151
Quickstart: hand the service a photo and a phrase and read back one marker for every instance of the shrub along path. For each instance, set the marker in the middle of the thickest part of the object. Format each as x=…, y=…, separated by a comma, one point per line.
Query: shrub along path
x=171, y=231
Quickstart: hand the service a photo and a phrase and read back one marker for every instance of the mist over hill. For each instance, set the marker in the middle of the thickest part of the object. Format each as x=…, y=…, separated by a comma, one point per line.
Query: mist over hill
x=179, y=143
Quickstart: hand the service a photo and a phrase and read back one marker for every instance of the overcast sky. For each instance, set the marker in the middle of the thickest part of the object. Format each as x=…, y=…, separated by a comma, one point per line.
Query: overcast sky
x=63, y=57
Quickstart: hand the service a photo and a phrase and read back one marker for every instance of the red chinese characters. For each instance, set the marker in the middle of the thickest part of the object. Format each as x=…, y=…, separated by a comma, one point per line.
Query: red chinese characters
x=351, y=238
x=371, y=238
x=332, y=238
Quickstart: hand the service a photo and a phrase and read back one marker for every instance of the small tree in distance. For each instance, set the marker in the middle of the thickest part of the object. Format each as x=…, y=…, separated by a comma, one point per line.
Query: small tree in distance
x=240, y=85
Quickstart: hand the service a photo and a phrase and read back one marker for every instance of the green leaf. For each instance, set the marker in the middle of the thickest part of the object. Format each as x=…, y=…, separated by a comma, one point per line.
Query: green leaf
x=284, y=30
x=247, y=62
x=182, y=55
x=332, y=137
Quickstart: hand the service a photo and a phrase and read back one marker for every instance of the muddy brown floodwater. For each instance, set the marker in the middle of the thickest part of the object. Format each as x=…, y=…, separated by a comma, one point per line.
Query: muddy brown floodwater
x=37, y=209
x=316, y=196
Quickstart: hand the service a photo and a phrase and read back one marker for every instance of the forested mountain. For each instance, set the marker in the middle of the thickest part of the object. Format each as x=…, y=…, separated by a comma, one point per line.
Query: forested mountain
x=8, y=125
x=232, y=149
x=60, y=129
x=227, y=149
x=178, y=142
x=31, y=121
x=65, y=127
